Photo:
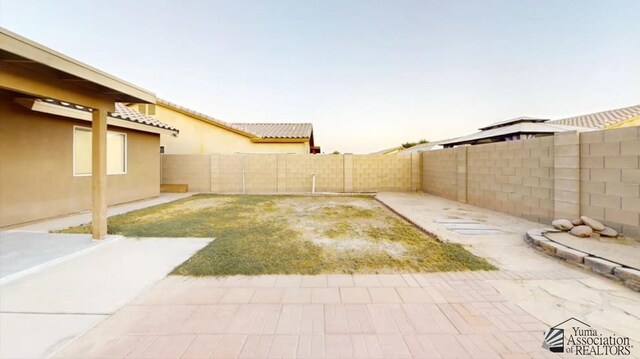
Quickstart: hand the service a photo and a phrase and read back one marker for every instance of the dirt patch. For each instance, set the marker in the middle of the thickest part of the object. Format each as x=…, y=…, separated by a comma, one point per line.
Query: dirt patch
x=294, y=235
x=363, y=246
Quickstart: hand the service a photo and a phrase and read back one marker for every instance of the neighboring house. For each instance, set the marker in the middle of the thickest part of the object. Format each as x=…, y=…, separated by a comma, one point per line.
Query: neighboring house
x=511, y=130
x=65, y=145
x=388, y=151
x=621, y=117
x=430, y=146
x=203, y=134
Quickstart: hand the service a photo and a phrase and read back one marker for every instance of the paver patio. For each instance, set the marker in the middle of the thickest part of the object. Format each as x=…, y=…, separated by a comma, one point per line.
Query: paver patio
x=496, y=314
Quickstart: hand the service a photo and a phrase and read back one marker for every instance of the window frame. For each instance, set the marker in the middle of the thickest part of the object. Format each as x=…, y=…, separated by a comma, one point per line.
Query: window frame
x=90, y=130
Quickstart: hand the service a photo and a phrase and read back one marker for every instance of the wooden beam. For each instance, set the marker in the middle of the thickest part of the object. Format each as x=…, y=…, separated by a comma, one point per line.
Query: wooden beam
x=99, y=173
x=19, y=79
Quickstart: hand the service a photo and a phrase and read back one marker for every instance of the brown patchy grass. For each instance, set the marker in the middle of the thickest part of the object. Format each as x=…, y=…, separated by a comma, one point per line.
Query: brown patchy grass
x=293, y=235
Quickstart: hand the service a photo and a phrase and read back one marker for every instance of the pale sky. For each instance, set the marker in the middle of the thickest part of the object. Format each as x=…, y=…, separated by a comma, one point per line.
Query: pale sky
x=368, y=74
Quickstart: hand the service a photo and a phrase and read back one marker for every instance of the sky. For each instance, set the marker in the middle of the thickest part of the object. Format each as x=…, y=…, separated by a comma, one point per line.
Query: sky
x=368, y=74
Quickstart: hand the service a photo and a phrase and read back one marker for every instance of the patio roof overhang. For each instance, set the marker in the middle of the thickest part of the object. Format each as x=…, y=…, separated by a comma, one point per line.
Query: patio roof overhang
x=19, y=51
x=28, y=68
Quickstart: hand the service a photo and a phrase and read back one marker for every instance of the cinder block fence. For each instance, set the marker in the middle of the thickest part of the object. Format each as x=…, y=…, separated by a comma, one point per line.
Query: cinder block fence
x=291, y=173
x=567, y=175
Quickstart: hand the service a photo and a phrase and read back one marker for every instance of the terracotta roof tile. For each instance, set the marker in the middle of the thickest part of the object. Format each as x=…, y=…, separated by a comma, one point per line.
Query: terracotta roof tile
x=121, y=112
x=277, y=130
x=126, y=113
x=601, y=119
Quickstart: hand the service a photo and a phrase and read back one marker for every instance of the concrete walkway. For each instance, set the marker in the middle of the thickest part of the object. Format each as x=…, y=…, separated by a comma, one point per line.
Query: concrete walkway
x=77, y=219
x=496, y=314
x=43, y=311
x=547, y=289
x=21, y=252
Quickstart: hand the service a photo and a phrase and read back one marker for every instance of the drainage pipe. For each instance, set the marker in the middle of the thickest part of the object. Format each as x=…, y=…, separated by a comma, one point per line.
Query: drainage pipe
x=313, y=183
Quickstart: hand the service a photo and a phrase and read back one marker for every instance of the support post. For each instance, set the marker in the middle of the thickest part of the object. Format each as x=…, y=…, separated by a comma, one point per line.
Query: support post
x=99, y=173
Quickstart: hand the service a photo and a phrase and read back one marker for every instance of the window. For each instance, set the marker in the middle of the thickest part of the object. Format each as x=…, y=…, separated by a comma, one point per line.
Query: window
x=116, y=152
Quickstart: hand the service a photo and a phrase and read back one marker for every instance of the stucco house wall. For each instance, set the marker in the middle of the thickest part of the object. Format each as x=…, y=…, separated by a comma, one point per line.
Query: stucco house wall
x=201, y=138
x=36, y=162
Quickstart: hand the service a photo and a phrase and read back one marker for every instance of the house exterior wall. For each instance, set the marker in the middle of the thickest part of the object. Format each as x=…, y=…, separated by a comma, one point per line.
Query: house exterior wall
x=634, y=121
x=199, y=138
x=596, y=174
x=36, y=169
x=292, y=173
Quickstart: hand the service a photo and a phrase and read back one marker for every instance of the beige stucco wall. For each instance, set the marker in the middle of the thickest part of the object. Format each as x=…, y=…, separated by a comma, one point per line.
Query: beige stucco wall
x=291, y=173
x=198, y=137
x=36, y=170
x=634, y=121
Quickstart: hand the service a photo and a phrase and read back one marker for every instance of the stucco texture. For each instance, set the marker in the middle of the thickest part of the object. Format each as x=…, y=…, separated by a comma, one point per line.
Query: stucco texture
x=198, y=137
x=36, y=169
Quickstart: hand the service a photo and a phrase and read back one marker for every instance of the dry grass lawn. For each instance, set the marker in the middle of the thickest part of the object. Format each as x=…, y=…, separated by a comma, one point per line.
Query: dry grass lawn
x=294, y=235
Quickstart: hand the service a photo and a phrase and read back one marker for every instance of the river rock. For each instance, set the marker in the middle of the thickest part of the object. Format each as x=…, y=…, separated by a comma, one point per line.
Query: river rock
x=582, y=231
x=577, y=222
x=608, y=232
x=595, y=225
x=562, y=224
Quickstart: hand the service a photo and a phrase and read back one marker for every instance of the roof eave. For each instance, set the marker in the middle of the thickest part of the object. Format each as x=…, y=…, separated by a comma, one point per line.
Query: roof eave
x=39, y=54
x=201, y=117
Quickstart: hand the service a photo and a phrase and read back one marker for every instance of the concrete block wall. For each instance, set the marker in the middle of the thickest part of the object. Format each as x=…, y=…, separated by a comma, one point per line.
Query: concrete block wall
x=512, y=177
x=193, y=170
x=610, y=178
x=439, y=170
x=291, y=173
x=329, y=171
x=390, y=173
x=567, y=175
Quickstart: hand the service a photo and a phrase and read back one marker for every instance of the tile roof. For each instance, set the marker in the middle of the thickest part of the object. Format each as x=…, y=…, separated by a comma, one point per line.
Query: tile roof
x=601, y=119
x=517, y=128
x=121, y=112
x=513, y=121
x=126, y=113
x=277, y=130
x=259, y=130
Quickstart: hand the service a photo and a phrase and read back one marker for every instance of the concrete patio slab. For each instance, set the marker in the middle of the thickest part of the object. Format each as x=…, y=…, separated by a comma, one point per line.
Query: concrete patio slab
x=81, y=218
x=21, y=251
x=53, y=306
x=485, y=314
x=547, y=289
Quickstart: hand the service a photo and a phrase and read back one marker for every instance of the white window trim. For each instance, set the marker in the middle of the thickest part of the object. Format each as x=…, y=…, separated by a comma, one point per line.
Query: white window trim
x=89, y=129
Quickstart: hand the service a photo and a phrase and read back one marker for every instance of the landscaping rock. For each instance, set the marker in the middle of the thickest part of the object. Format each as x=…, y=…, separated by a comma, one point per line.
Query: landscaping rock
x=562, y=224
x=582, y=231
x=577, y=222
x=595, y=225
x=608, y=232
x=600, y=265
